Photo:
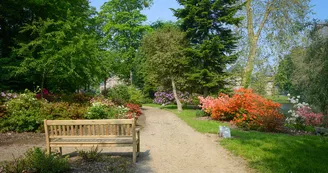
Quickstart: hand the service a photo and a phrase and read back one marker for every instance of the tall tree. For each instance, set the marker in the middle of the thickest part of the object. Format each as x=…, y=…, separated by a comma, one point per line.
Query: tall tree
x=206, y=23
x=15, y=14
x=63, y=54
x=122, y=24
x=165, y=61
x=273, y=20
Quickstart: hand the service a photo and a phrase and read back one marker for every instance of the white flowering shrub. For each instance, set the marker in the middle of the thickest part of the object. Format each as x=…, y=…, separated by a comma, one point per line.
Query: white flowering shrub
x=302, y=115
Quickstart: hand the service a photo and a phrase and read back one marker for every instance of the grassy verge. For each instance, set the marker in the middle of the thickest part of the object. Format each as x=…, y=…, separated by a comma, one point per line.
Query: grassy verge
x=268, y=152
x=279, y=98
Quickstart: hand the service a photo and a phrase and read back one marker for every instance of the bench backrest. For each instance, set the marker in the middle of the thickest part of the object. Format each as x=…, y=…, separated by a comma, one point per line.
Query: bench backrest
x=89, y=128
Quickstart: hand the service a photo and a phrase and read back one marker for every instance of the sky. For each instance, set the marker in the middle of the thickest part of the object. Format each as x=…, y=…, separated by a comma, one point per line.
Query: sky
x=160, y=10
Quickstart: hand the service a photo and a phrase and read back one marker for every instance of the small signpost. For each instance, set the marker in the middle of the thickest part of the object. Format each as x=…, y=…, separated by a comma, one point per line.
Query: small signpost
x=224, y=132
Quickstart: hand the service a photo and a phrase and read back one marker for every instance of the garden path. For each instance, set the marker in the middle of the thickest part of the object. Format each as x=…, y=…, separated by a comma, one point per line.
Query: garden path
x=168, y=144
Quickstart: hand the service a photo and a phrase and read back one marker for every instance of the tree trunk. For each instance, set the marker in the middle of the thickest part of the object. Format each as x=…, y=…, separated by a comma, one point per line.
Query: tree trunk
x=250, y=64
x=205, y=92
x=42, y=81
x=105, y=83
x=253, y=38
x=131, y=77
x=179, y=105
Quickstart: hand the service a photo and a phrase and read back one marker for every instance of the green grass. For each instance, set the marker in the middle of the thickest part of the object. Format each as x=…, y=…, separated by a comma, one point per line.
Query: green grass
x=278, y=98
x=267, y=152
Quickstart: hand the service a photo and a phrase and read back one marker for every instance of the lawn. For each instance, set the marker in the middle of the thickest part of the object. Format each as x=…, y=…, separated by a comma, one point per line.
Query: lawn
x=267, y=152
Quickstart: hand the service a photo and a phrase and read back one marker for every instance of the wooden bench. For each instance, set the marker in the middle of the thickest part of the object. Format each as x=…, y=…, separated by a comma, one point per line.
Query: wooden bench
x=89, y=133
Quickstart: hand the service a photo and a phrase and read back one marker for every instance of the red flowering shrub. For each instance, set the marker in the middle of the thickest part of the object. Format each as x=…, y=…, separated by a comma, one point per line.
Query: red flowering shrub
x=64, y=110
x=133, y=109
x=245, y=109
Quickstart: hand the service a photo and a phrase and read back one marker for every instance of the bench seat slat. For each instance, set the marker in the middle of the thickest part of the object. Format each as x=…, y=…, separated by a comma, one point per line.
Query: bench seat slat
x=93, y=141
x=89, y=122
x=91, y=136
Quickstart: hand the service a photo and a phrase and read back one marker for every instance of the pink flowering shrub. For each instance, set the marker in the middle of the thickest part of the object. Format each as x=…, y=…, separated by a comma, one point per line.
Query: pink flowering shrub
x=311, y=118
x=207, y=104
x=302, y=115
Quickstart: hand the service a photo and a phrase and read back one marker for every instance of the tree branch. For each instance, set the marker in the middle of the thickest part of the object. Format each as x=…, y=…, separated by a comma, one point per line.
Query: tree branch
x=249, y=11
x=265, y=17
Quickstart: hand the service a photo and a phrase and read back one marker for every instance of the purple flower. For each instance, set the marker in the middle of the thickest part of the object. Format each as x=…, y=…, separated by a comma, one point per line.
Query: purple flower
x=3, y=94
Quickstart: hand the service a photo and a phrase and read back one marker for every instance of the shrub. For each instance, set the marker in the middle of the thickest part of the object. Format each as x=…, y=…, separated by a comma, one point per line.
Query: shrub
x=122, y=94
x=22, y=114
x=136, y=96
x=90, y=156
x=122, y=112
x=6, y=96
x=16, y=166
x=134, y=110
x=64, y=110
x=119, y=94
x=102, y=100
x=167, y=97
x=245, y=109
x=302, y=115
x=81, y=98
x=36, y=160
x=97, y=111
x=201, y=113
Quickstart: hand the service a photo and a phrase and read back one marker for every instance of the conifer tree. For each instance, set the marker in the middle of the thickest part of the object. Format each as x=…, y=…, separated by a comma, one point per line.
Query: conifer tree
x=206, y=23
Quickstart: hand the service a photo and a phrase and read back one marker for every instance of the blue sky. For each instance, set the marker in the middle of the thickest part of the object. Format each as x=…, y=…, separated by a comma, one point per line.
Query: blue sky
x=160, y=9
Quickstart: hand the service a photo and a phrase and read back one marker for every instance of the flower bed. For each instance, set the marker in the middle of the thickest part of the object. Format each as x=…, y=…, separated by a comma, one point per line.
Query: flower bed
x=26, y=111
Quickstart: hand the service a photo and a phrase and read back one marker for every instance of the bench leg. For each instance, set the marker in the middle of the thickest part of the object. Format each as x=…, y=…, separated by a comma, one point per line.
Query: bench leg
x=138, y=146
x=48, y=149
x=134, y=154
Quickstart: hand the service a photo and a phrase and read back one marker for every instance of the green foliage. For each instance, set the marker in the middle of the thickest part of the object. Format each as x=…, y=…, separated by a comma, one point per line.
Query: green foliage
x=23, y=114
x=201, y=113
x=16, y=166
x=119, y=94
x=123, y=29
x=36, y=160
x=286, y=67
x=26, y=113
x=89, y=156
x=59, y=52
x=17, y=14
x=99, y=111
x=123, y=94
x=80, y=98
x=206, y=24
x=164, y=55
x=63, y=110
x=136, y=96
x=303, y=71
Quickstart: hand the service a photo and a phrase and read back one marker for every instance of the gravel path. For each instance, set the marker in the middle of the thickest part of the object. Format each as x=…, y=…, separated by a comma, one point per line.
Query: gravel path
x=168, y=144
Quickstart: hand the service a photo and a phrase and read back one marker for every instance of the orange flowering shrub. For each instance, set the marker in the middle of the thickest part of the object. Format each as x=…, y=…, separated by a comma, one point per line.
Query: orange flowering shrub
x=245, y=109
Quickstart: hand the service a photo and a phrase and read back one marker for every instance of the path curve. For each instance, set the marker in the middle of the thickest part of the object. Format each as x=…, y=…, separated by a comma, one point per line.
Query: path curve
x=168, y=144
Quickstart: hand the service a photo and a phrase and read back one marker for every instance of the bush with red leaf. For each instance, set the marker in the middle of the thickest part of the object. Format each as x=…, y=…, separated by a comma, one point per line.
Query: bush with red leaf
x=134, y=109
x=245, y=109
